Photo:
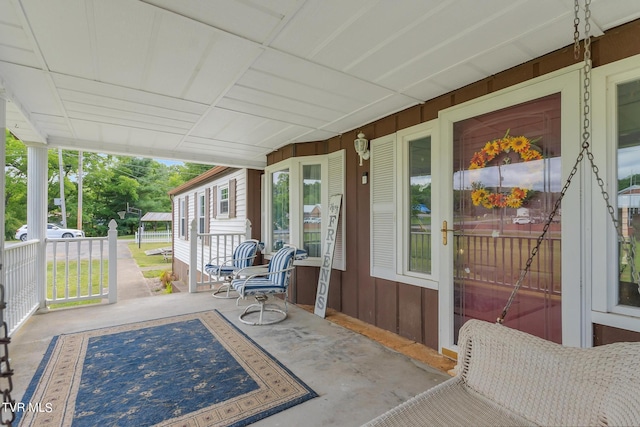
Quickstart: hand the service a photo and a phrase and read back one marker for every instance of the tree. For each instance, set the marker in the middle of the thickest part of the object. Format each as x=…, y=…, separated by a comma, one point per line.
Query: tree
x=15, y=185
x=190, y=170
x=420, y=204
x=280, y=203
x=628, y=182
x=109, y=183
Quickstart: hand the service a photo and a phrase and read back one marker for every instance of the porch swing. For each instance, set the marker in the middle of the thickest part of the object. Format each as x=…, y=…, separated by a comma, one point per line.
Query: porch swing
x=511, y=378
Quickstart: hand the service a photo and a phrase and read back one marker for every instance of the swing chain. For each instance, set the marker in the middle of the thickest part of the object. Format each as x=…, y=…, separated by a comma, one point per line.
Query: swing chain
x=629, y=243
x=585, y=150
x=574, y=169
x=7, y=412
x=540, y=239
x=576, y=31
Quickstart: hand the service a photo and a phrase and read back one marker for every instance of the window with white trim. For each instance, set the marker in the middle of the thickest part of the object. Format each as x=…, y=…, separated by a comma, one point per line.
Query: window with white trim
x=298, y=191
x=401, y=204
x=419, y=205
x=223, y=200
x=312, y=209
x=279, y=212
x=616, y=147
x=182, y=215
x=201, y=213
x=628, y=179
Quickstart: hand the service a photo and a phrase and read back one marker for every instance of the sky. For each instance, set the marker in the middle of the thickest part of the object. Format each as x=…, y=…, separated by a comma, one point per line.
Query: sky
x=628, y=161
x=530, y=175
x=169, y=162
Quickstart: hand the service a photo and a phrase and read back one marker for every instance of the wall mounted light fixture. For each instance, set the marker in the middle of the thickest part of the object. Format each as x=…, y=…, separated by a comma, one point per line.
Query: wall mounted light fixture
x=361, y=144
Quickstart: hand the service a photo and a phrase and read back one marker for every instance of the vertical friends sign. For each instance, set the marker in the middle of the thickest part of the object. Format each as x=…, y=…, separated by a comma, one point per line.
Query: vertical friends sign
x=327, y=255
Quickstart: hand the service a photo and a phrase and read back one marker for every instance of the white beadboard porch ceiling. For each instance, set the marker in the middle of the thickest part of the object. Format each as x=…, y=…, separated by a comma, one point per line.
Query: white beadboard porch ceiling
x=227, y=81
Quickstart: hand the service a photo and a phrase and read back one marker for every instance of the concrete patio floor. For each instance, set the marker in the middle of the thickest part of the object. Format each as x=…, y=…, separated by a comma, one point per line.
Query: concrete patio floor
x=356, y=378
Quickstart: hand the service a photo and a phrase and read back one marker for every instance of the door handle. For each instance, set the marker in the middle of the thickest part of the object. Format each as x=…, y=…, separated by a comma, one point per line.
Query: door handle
x=444, y=231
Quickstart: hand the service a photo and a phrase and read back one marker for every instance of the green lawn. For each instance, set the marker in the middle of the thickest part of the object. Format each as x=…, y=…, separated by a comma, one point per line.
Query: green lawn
x=84, y=274
x=80, y=276
x=144, y=260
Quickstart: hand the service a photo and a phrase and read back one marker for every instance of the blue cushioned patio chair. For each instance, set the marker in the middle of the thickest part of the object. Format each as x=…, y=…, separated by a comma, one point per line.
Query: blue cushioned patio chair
x=273, y=280
x=223, y=271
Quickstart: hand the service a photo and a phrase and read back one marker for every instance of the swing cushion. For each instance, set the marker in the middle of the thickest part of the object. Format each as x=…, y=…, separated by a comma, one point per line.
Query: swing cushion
x=508, y=377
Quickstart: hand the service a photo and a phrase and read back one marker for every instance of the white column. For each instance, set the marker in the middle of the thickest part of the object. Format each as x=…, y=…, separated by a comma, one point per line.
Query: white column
x=193, y=256
x=37, y=171
x=113, y=261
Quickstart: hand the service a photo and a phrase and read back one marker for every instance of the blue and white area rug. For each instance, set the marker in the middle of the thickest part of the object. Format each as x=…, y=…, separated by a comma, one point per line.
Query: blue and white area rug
x=192, y=370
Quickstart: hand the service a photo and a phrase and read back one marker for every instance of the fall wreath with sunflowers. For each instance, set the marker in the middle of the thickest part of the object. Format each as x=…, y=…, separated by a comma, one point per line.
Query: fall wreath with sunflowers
x=500, y=148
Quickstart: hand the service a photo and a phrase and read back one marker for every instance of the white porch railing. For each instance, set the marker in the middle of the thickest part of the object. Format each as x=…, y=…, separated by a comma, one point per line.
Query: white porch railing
x=66, y=258
x=155, y=236
x=20, y=284
x=208, y=246
x=82, y=269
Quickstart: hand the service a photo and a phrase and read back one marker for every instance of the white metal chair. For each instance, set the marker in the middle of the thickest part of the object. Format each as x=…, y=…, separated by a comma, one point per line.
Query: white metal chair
x=274, y=279
x=223, y=271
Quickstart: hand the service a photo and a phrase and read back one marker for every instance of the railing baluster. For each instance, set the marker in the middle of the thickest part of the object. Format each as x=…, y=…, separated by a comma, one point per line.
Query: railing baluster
x=90, y=269
x=85, y=253
x=20, y=287
x=487, y=265
x=78, y=265
x=54, y=269
x=101, y=283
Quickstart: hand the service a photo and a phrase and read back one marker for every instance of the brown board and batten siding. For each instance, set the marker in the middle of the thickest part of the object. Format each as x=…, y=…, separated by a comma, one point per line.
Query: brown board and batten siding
x=253, y=194
x=408, y=310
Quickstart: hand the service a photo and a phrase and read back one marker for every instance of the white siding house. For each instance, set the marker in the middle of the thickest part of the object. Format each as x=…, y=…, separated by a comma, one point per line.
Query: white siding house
x=218, y=203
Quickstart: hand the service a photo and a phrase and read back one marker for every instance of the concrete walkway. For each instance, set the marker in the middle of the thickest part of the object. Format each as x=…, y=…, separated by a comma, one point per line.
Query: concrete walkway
x=131, y=283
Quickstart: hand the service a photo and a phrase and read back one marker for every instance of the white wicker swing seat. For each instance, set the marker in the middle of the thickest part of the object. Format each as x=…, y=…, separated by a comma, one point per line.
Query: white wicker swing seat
x=506, y=377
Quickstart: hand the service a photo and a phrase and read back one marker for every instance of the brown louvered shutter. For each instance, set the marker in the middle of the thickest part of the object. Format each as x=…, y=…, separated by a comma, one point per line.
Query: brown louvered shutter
x=196, y=214
x=232, y=198
x=174, y=209
x=214, y=204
